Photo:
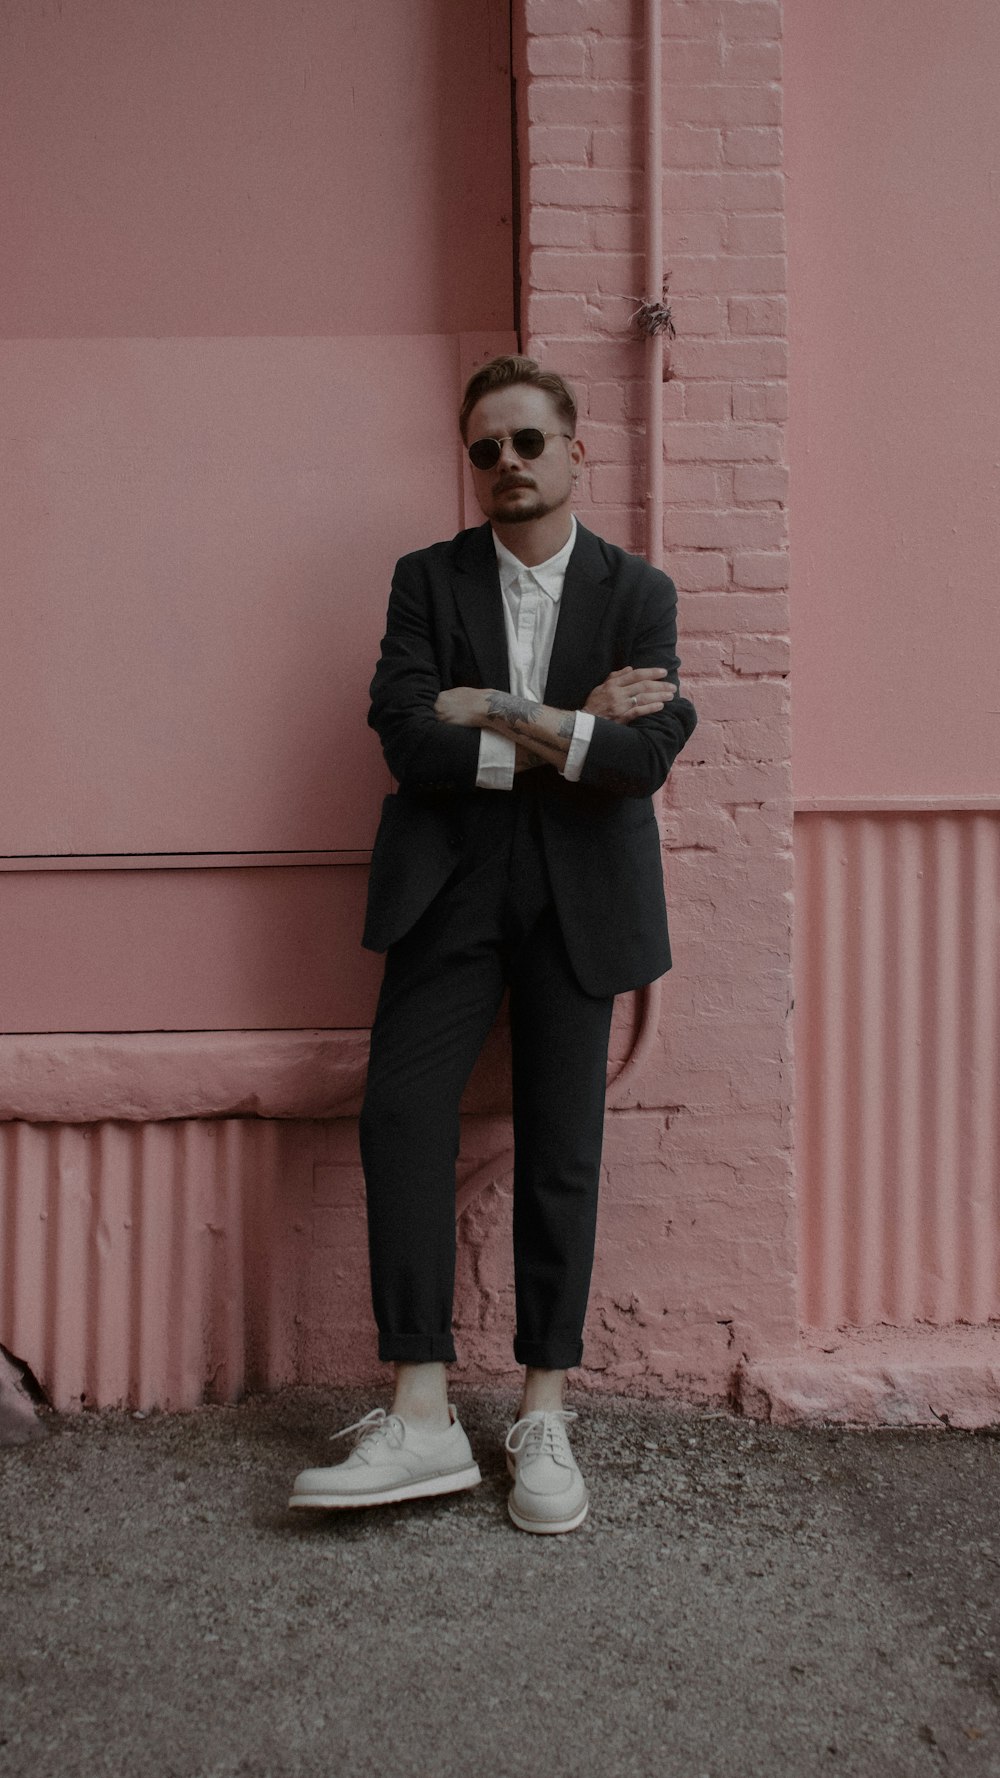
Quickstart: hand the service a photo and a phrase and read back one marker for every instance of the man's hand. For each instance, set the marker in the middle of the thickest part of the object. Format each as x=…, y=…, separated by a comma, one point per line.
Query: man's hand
x=463, y=705
x=631, y=692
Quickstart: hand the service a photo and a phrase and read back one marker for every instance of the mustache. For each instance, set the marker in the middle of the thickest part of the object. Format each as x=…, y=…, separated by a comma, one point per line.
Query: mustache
x=512, y=481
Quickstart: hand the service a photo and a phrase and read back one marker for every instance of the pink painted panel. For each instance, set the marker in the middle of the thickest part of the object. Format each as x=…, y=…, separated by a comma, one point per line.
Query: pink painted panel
x=891, y=153
x=897, y=1052
x=203, y=167
x=183, y=950
x=201, y=543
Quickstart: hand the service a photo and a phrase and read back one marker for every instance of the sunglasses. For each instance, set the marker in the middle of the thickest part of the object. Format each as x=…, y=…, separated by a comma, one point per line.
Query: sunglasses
x=529, y=443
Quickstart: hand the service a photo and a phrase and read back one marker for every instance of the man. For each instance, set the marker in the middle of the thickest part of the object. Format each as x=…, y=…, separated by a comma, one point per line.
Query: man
x=526, y=700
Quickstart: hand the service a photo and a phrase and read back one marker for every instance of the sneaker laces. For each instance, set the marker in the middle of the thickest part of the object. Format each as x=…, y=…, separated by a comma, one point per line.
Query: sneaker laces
x=373, y=1430
x=542, y=1433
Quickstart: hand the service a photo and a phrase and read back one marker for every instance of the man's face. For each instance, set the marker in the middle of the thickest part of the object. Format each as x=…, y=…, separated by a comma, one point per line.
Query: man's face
x=515, y=491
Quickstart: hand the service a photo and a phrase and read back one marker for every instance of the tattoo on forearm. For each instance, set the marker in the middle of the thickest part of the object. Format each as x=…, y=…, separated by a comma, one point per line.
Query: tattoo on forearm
x=528, y=724
x=512, y=710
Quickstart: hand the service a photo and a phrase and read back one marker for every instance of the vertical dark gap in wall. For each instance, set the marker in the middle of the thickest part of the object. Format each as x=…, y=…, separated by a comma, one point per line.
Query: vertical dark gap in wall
x=515, y=183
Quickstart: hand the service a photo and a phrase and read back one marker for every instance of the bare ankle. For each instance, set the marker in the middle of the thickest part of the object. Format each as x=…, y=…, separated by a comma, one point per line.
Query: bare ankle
x=542, y=1392
x=421, y=1396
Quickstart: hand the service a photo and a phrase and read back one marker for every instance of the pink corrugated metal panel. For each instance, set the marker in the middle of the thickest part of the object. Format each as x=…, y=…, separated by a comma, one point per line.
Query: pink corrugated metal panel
x=897, y=1021
x=142, y=1262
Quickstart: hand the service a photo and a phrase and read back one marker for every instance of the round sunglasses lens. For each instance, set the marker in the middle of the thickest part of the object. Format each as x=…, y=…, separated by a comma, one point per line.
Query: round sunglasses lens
x=528, y=443
x=484, y=454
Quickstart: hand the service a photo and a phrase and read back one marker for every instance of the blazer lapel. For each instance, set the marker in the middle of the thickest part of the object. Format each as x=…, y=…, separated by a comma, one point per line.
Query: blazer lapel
x=583, y=605
x=476, y=584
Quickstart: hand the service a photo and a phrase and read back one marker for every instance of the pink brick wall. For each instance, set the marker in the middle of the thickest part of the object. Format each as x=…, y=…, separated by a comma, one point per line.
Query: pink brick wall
x=696, y=1262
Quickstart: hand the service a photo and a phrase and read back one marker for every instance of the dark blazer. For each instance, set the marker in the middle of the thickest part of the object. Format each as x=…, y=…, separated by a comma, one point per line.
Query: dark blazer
x=600, y=838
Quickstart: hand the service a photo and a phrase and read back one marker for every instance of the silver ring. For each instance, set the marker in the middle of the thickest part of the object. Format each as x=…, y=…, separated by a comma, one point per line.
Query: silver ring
x=634, y=699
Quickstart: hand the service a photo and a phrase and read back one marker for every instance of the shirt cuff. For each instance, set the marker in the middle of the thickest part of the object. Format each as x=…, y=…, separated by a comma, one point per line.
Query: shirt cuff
x=583, y=728
x=496, y=762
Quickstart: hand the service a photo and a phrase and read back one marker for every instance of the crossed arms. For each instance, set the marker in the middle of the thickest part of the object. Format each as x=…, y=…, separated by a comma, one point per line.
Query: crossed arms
x=430, y=738
x=542, y=734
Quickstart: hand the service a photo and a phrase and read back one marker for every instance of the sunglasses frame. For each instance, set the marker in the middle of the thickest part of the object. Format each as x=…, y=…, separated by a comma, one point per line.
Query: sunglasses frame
x=511, y=438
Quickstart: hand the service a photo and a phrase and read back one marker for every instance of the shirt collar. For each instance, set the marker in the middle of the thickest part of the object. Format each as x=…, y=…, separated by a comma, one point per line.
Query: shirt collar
x=549, y=576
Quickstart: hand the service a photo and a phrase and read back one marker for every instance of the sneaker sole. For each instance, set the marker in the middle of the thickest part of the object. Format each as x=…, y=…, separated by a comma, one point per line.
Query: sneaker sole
x=549, y=1526
x=422, y=1490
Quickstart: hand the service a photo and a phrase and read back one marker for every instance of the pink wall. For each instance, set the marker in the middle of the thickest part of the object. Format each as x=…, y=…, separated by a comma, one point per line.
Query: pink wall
x=249, y=259
x=895, y=413
x=204, y=169
x=183, y=1210
x=894, y=440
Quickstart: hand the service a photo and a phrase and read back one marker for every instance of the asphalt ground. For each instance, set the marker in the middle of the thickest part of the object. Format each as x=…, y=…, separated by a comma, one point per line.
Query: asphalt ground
x=742, y=1600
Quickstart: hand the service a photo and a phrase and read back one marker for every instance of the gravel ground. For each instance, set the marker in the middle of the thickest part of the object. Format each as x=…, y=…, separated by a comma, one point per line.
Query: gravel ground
x=743, y=1600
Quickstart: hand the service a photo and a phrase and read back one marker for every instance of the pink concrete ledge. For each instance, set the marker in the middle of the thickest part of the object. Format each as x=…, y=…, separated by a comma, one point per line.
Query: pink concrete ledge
x=918, y=1376
x=85, y=1078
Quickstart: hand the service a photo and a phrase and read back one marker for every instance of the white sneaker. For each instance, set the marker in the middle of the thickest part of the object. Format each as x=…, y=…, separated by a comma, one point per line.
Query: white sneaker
x=391, y=1460
x=549, y=1493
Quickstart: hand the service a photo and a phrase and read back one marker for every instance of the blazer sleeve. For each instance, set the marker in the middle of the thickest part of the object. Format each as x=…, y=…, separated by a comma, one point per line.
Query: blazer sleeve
x=633, y=759
x=421, y=752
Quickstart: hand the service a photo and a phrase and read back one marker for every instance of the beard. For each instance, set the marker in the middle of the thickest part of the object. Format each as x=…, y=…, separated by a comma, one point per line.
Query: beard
x=526, y=509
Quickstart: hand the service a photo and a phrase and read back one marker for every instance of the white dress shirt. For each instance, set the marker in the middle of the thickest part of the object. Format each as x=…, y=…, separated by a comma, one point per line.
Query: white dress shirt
x=530, y=613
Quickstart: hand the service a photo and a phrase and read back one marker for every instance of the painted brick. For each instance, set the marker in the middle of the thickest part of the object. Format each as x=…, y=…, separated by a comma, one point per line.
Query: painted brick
x=761, y=315
x=724, y=1053
x=617, y=231
x=616, y=314
x=619, y=147
x=703, y=657
x=560, y=56
x=704, y=315
x=761, y=654
x=571, y=18
x=702, y=571
x=709, y=612
x=612, y=444
x=740, y=700
x=756, y=358
x=615, y=58
x=698, y=232
x=763, y=274
x=697, y=59
x=607, y=401
x=602, y=187
x=692, y=482
x=741, y=529
x=572, y=102
x=702, y=442
x=558, y=145
x=691, y=19
x=686, y=146
x=724, y=104
x=756, y=740
x=755, y=234
x=757, y=482
x=752, y=148
x=586, y=359
x=729, y=189
x=558, y=314
x=747, y=20
x=613, y=483
x=761, y=568
x=760, y=401
x=558, y=228
x=708, y=401
x=748, y=60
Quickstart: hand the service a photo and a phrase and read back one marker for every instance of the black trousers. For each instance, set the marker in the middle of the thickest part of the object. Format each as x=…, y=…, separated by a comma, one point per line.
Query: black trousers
x=492, y=927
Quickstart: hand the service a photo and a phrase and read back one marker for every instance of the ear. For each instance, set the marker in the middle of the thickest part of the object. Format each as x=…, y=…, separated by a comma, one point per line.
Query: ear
x=577, y=452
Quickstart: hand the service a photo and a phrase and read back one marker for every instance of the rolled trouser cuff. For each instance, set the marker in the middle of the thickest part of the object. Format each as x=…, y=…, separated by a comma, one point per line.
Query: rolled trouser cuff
x=562, y=1353
x=416, y=1348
